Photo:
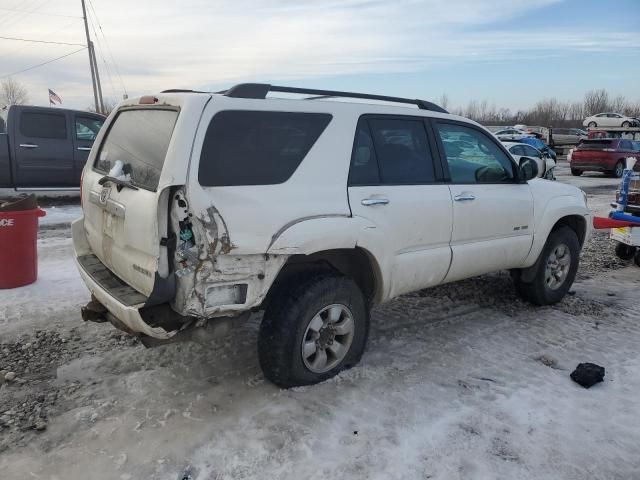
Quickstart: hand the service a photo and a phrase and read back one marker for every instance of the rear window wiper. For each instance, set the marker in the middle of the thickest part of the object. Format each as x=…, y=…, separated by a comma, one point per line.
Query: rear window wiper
x=119, y=182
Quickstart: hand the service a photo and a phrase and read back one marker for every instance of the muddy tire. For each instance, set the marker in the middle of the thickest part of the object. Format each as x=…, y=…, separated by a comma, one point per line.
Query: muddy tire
x=575, y=172
x=313, y=330
x=624, y=251
x=555, y=269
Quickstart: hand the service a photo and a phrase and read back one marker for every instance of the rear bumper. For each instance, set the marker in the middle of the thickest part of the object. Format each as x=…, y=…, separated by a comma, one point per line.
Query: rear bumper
x=129, y=315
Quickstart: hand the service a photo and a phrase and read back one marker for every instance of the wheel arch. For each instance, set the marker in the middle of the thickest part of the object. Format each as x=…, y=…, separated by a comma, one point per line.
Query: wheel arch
x=356, y=263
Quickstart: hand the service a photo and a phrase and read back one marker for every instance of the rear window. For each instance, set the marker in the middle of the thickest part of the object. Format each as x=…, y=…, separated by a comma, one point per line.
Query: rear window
x=43, y=125
x=140, y=139
x=257, y=147
x=597, y=144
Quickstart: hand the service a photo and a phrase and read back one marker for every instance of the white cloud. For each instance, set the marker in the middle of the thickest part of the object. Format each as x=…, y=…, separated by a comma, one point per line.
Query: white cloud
x=208, y=43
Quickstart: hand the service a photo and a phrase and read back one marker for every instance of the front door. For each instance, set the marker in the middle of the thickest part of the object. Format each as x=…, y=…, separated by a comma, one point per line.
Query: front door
x=397, y=191
x=43, y=150
x=492, y=212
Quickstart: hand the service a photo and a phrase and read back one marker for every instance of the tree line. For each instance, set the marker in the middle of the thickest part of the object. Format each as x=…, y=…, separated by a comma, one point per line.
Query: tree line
x=549, y=112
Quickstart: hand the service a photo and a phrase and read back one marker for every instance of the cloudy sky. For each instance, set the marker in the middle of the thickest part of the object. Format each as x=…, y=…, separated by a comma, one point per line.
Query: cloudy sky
x=511, y=52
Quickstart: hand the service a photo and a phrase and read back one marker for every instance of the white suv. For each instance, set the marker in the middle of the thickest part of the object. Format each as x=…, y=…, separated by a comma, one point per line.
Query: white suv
x=199, y=206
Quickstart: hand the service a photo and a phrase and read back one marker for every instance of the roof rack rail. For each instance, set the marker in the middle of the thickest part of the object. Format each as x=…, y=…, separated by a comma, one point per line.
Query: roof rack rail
x=260, y=90
x=181, y=90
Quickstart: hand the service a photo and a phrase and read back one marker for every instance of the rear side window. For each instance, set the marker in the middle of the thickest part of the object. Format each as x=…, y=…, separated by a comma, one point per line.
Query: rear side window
x=391, y=151
x=43, y=125
x=595, y=144
x=244, y=147
x=140, y=140
x=625, y=145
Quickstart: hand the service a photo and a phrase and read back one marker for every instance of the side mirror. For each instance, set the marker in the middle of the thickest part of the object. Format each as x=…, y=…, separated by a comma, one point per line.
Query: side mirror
x=528, y=168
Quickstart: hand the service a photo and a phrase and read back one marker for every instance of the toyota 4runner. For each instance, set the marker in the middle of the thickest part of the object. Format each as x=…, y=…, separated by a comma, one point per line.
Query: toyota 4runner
x=201, y=206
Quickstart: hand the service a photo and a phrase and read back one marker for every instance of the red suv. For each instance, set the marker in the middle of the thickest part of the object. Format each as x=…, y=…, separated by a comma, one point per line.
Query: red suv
x=603, y=155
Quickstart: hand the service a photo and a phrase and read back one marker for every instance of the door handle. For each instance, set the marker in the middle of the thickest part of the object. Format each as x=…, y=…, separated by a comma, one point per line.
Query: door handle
x=28, y=145
x=370, y=202
x=84, y=149
x=464, y=197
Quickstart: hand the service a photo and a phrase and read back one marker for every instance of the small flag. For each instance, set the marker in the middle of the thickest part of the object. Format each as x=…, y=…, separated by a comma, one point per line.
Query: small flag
x=54, y=98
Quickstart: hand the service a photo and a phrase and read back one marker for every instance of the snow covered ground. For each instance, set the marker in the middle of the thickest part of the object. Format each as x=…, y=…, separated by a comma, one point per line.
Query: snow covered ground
x=460, y=381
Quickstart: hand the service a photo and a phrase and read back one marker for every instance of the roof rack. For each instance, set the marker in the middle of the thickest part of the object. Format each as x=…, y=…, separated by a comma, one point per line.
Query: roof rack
x=260, y=90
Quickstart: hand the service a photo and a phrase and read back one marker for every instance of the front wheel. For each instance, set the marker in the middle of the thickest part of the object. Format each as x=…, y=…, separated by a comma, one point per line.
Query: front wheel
x=592, y=124
x=313, y=330
x=626, y=124
x=575, y=172
x=555, y=269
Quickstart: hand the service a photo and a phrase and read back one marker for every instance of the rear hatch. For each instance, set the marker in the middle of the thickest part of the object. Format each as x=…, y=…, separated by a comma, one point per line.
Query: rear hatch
x=143, y=153
x=593, y=150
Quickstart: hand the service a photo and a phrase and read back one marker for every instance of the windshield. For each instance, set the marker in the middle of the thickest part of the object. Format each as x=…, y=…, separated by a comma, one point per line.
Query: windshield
x=139, y=139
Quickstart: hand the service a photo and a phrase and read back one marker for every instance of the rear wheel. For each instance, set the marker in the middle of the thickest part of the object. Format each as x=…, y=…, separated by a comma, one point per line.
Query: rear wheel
x=592, y=124
x=575, y=172
x=624, y=251
x=555, y=269
x=618, y=170
x=313, y=330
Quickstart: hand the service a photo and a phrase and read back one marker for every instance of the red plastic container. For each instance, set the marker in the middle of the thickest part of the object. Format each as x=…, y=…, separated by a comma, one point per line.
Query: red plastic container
x=19, y=247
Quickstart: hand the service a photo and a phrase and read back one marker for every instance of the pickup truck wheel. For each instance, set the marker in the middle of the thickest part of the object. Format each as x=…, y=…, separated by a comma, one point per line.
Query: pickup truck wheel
x=312, y=331
x=575, y=172
x=624, y=251
x=555, y=269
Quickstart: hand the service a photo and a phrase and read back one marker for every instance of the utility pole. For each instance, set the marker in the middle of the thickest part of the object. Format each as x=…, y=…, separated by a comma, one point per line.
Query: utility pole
x=94, y=72
x=95, y=69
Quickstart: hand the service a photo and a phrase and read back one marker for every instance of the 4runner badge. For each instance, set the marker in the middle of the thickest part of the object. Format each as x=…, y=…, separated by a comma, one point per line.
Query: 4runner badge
x=104, y=194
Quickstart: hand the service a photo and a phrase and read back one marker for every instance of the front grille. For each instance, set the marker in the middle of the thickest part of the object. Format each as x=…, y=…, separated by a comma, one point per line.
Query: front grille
x=104, y=277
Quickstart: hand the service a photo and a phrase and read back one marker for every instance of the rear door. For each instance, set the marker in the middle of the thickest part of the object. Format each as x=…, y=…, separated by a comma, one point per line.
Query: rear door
x=85, y=130
x=124, y=225
x=396, y=186
x=43, y=149
x=492, y=212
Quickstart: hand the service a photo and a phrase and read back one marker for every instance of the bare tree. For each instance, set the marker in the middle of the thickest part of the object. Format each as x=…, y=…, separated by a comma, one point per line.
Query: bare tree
x=596, y=101
x=12, y=92
x=443, y=101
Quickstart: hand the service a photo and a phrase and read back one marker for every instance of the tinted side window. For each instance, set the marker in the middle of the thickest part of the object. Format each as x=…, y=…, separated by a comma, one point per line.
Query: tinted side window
x=43, y=125
x=244, y=147
x=530, y=151
x=402, y=150
x=473, y=157
x=88, y=128
x=517, y=150
x=364, y=165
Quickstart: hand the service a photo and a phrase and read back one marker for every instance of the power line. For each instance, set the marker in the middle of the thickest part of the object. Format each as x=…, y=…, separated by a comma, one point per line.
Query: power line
x=12, y=18
x=27, y=12
x=40, y=41
x=43, y=63
x=115, y=64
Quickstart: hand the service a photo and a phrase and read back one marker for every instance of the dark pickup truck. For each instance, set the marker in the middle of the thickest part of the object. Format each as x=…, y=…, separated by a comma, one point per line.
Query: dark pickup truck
x=45, y=148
